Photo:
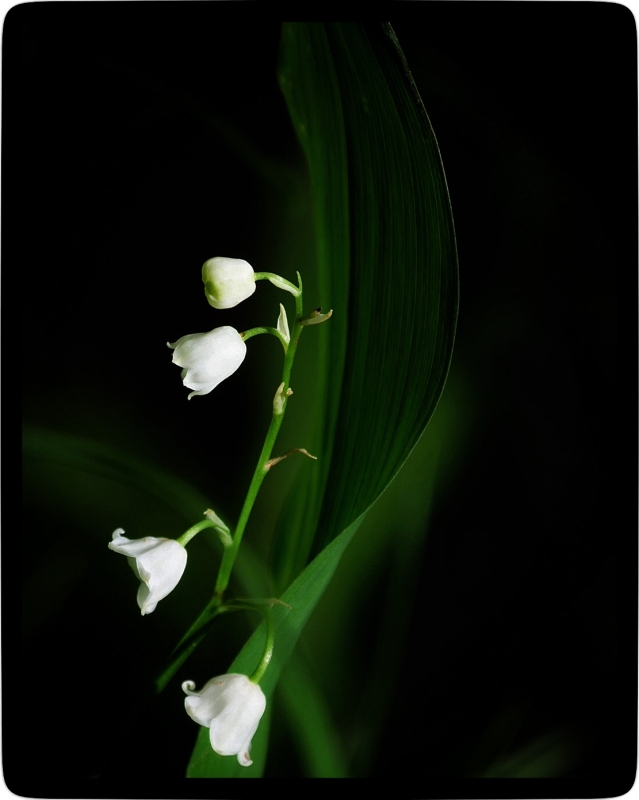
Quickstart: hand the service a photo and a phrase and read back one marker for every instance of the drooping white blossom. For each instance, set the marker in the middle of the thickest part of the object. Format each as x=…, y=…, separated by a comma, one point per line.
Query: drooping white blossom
x=158, y=563
x=231, y=706
x=208, y=358
x=227, y=281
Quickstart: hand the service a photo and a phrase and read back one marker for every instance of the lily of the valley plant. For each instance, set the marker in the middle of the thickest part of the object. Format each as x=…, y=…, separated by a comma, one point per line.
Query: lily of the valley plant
x=230, y=706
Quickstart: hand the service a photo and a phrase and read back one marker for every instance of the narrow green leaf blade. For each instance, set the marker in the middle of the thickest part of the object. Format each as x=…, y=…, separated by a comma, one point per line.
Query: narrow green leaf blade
x=302, y=597
x=309, y=719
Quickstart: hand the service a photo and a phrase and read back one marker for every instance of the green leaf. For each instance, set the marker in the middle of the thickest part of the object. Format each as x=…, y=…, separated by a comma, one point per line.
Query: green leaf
x=387, y=265
x=301, y=596
x=309, y=719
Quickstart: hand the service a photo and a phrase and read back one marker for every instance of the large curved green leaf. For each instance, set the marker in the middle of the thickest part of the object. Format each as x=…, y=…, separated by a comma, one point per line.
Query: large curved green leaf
x=387, y=265
x=386, y=261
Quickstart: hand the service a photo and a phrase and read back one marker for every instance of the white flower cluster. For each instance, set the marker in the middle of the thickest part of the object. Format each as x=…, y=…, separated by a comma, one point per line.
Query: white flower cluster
x=208, y=358
x=231, y=706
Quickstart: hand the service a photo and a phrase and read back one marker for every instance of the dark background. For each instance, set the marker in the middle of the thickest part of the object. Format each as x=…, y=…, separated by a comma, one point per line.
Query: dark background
x=141, y=139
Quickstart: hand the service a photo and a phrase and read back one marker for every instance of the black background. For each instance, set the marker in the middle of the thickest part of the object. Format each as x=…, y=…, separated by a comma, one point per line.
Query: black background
x=113, y=170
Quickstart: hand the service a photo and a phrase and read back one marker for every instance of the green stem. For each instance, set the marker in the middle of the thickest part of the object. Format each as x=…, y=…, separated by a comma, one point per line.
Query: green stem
x=246, y=335
x=261, y=470
x=199, y=628
x=194, y=530
x=256, y=677
x=278, y=280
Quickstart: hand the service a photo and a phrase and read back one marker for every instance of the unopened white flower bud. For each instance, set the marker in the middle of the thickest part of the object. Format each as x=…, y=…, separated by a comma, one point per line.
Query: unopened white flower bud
x=227, y=281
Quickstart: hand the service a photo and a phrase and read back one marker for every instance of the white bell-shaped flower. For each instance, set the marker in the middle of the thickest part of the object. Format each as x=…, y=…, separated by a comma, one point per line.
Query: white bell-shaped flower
x=227, y=281
x=208, y=358
x=158, y=563
x=231, y=706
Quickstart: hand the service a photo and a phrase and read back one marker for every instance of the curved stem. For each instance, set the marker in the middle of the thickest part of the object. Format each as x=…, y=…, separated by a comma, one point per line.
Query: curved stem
x=256, y=677
x=280, y=282
x=194, y=530
x=246, y=335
